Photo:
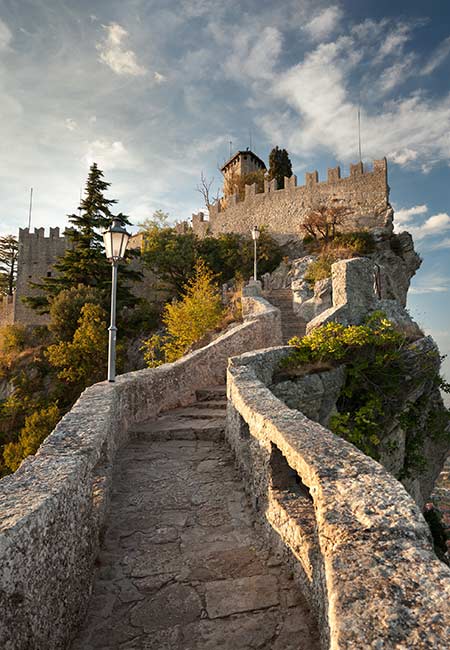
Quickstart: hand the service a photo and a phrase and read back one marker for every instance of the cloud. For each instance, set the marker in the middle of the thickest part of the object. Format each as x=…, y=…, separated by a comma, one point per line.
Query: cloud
x=325, y=23
x=5, y=36
x=70, y=124
x=430, y=283
x=253, y=54
x=159, y=78
x=396, y=74
x=109, y=155
x=435, y=225
x=114, y=55
x=404, y=156
x=438, y=57
x=404, y=216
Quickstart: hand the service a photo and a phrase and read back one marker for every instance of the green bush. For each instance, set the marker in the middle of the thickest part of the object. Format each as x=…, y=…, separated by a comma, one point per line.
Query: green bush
x=320, y=269
x=361, y=242
x=13, y=338
x=65, y=310
x=36, y=428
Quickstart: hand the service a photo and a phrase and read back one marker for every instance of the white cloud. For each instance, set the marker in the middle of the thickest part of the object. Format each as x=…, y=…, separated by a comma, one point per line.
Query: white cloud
x=114, y=55
x=5, y=36
x=438, y=224
x=70, y=124
x=404, y=216
x=404, y=156
x=396, y=74
x=253, y=54
x=325, y=23
x=108, y=155
x=430, y=283
x=438, y=57
x=159, y=78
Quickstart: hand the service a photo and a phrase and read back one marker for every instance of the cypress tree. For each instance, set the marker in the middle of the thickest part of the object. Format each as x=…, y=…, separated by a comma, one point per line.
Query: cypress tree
x=9, y=249
x=84, y=262
x=279, y=166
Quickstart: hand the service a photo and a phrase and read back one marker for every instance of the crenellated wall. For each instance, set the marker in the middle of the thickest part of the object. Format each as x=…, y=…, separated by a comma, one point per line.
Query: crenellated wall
x=365, y=193
x=53, y=508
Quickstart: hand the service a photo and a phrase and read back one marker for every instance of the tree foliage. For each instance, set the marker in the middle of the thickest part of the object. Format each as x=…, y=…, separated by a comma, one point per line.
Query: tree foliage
x=9, y=251
x=37, y=427
x=187, y=320
x=82, y=361
x=322, y=222
x=279, y=166
x=172, y=256
x=84, y=261
x=65, y=310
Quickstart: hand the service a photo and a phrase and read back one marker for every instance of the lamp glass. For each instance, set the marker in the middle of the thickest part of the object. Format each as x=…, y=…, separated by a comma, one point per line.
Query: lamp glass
x=116, y=241
x=255, y=232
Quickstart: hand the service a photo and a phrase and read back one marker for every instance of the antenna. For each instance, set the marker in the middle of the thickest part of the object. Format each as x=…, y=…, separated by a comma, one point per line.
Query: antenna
x=81, y=194
x=231, y=147
x=250, y=137
x=30, y=208
x=359, y=132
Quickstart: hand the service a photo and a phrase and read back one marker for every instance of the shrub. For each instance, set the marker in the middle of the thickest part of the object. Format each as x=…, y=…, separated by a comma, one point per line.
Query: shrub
x=65, y=310
x=13, y=338
x=83, y=361
x=36, y=428
x=320, y=269
x=187, y=320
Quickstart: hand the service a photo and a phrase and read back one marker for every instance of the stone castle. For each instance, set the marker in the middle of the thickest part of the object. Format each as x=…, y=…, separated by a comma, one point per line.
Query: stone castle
x=364, y=194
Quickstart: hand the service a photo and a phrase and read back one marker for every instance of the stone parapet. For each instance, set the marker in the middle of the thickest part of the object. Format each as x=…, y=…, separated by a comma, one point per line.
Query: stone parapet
x=54, y=507
x=357, y=541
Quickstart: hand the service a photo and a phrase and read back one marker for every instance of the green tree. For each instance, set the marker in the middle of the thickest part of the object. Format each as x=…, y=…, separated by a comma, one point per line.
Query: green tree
x=82, y=361
x=279, y=166
x=9, y=250
x=65, y=310
x=172, y=256
x=37, y=427
x=84, y=261
x=187, y=320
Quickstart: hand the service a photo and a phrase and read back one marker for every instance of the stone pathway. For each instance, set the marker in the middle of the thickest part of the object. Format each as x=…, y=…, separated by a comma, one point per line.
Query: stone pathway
x=184, y=565
x=291, y=325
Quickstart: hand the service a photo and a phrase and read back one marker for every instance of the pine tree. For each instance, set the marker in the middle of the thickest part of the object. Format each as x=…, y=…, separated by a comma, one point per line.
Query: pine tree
x=9, y=249
x=84, y=262
x=279, y=166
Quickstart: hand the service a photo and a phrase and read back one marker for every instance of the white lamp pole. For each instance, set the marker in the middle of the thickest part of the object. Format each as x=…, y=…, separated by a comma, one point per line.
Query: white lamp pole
x=115, y=240
x=255, y=235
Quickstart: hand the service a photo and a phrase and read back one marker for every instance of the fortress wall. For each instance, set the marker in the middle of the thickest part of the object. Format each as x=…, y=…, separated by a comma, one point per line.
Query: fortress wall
x=7, y=307
x=54, y=507
x=365, y=193
x=357, y=542
x=37, y=254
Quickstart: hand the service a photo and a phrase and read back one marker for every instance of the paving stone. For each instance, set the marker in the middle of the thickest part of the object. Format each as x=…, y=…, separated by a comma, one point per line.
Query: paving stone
x=225, y=597
x=183, y=564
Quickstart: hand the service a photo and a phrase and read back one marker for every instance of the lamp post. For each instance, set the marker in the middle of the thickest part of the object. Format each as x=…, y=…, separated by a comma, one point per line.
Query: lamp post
x=115, y=240
x=255, y=234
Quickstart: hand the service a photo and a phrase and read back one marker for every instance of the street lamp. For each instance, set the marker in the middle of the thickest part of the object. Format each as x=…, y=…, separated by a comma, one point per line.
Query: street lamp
x=255, y=234
x=115, y=240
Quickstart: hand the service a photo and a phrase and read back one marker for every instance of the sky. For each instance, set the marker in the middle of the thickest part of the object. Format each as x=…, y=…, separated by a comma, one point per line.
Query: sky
x=154, y=91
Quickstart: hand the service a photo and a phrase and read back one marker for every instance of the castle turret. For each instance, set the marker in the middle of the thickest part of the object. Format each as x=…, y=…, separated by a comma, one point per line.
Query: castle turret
x=243, y=162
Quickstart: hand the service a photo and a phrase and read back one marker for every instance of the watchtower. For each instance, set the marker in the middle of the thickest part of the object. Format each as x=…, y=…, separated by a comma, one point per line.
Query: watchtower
x=241, y=163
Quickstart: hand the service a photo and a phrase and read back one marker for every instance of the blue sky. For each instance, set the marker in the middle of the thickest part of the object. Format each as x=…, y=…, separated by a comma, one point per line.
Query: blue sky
x=154, y=90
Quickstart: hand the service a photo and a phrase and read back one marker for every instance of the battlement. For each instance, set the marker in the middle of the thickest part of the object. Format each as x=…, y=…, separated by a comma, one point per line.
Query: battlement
x=39, y=234
x=357, y=170
x=364, y=193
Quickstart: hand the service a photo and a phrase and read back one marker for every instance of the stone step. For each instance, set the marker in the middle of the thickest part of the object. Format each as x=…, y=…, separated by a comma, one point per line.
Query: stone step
x=180, y=429
x=194, y=411
x=213, y=393
x=212, y=404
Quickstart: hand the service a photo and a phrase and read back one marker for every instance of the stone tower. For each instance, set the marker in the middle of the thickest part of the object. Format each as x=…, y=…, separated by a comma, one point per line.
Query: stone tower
x=37, y=255
x=243, y=162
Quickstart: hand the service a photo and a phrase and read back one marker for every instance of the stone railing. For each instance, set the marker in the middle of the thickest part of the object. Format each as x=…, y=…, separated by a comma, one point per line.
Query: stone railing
x=53, y=508
x=357, y=542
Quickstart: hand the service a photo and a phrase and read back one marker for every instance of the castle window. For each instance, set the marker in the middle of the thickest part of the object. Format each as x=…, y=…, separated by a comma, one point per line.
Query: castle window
x=49, y=274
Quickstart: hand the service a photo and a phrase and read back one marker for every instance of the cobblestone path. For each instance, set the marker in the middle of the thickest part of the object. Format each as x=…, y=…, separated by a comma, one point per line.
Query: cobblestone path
x=184, y=565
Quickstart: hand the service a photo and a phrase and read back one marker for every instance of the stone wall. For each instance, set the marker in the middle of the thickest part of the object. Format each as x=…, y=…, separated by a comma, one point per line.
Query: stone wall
x=37, y=255
x=7, y=307
x=358, y=544
x=54, y=506
x=364, y=193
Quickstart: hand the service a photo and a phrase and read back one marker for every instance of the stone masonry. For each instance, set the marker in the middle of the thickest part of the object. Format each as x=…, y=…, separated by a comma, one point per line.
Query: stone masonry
x=364, y=193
